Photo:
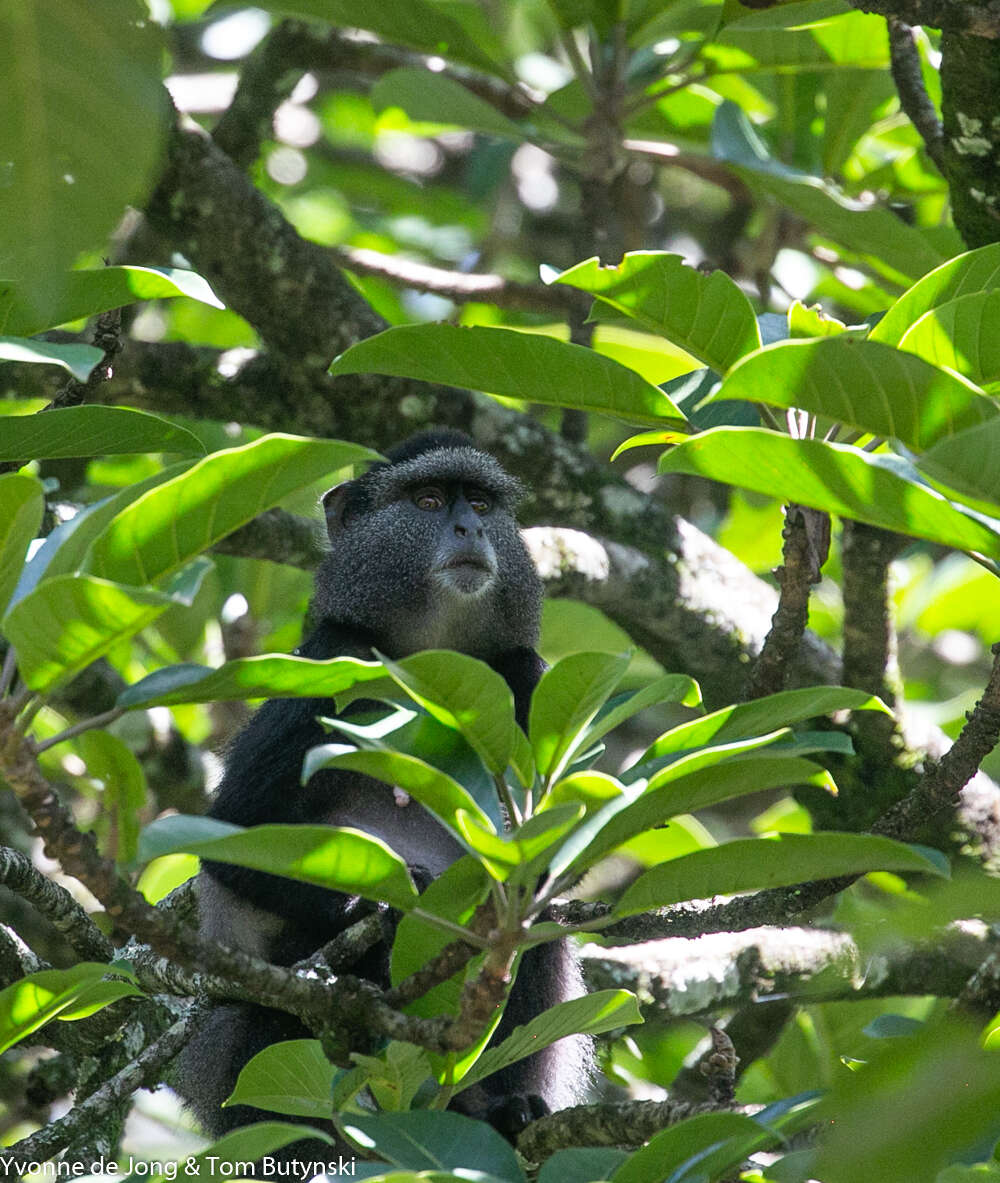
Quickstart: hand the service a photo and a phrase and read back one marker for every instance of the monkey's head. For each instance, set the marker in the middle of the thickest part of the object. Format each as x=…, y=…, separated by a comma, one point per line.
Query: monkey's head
x=425, y=552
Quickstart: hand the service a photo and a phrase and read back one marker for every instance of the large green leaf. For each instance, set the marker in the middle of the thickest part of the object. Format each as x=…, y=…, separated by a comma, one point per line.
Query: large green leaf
x=22, y=504
x=594, y=1014
x=566, y=699
x=832, y=477
x=434, y=789
x=293, y=1077
x=63, y=550
x=967, y=464
x=166, y=526
x=246, y=1145
x=328, y=856
x=464, y=694
x=268, y=676
x=435, y=98
x=961, y=335
x=762, y=715
x=888, y=244
x=707, y=315
x=77, y=360
x=77, y=78
x=91, y=431
x=429, y=1140
x=84, y=293
x=415, y=23
x=71, y=620
x=916, y=1104
x=528, y=366
x=756, y=863
x=75, y=993
x=975, y=271
x=708, y=1144
x=863, y=384
x=672, y=792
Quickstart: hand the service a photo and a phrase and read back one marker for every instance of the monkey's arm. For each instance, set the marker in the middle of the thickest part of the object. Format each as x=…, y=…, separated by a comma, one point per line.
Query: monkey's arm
x=521, y=669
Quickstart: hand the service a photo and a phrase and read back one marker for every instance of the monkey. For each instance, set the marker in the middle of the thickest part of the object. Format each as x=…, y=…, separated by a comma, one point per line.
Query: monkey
x=424, y=552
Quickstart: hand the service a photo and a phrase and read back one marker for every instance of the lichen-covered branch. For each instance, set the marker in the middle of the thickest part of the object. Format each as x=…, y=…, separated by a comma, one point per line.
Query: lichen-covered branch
x=806, y=536
x=55, y=903
x=941, y=782
x=144, y=1071
x=681, y=977
x=980, y=19
x=913, y=97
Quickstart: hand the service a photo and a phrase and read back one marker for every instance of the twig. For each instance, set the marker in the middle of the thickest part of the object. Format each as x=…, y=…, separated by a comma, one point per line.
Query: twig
x=624, y=1123
x=8, y=671
x=913, y=98
x=459, y=286
x=101, y=720
x=939, y=787
x=952, y=16
x=55, y=903
x=57, y=1135
x=806, y=537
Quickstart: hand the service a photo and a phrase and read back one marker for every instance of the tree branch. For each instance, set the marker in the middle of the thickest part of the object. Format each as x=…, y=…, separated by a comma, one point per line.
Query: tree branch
x=913, y=98
x=954, y=16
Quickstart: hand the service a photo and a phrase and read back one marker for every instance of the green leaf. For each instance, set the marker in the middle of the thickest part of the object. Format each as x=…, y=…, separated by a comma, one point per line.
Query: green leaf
x=709, y=1143
x=756, y=863
x=975, y=271
x=670, y=688
x=698, y=781
x=327, y=856
x=415, y=23
x=435, y=790
x=112, y=762
x=77, y=360
x=60, y=110
x=75, y=993
x=22, y=504
x=966, y=464
x=762, y=715
x=565, y=701
x=71, y=620
x=62, y=551
x=526, y=366
x=92, y=431
x=889, y=245
x=833, y=477
x=959, y=335
x=464, y=694
x=84, y=293
x=579, y=1164
x=522, y=854
x=268, y=676
x=248, y=1144
x=594, y=1014
x=170, y=524
x=916, y=1104
x=707, y=315
x=674, y=792
x=435, y=98
x=426, y=1140
x=863, y=384
x=292, y=1077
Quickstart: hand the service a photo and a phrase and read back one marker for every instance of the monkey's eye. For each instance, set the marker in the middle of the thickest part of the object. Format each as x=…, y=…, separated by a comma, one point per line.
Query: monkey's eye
x=479, y=501
x=429, y=499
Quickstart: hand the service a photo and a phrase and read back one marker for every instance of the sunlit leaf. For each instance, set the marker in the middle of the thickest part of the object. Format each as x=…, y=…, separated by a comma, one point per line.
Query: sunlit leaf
x=500, y=361
x=22, y=504
x=78, y=360
x=833, y=477
x=91, y=431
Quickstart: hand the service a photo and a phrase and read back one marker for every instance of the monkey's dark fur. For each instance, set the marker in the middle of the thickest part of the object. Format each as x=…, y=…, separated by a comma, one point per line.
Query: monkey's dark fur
x=425, y=553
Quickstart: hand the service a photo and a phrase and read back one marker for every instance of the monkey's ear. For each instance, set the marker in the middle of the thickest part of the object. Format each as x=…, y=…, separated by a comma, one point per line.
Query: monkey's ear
x=335, y=506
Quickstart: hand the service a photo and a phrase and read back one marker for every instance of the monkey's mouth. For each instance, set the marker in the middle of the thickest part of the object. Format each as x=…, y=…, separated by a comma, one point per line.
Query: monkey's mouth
x=466, y=573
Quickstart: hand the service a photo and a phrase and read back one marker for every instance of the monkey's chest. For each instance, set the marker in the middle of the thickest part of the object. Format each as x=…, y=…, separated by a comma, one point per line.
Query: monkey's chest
x=402, y=823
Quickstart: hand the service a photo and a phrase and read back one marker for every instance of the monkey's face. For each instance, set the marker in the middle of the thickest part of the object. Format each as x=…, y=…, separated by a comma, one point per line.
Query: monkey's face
x=426, y=554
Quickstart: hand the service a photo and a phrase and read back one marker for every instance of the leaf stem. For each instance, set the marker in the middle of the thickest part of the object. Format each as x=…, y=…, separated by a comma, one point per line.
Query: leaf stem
x=463, y=934
x=84, y=725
